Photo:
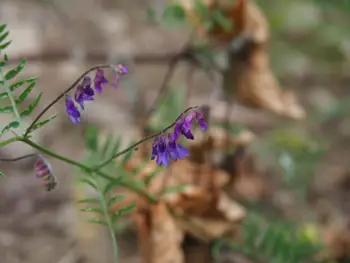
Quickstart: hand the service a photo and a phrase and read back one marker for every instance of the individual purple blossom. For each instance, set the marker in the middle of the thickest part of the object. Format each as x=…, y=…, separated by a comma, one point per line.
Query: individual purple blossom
x=100, y=80
x=160, y=151
x=84, y=92
x=121, y=69
x=176, y=150
x=72, y=110
x=181, y=127
x=184, y=124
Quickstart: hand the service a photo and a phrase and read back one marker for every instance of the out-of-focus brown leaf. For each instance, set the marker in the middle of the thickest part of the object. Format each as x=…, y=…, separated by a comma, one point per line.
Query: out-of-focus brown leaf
x=207, y=214
x=245, y=179
x=160, y=237
x=336, y=236
x=255, y=84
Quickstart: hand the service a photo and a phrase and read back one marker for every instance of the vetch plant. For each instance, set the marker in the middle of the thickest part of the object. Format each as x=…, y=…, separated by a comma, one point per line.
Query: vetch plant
x=82, y=90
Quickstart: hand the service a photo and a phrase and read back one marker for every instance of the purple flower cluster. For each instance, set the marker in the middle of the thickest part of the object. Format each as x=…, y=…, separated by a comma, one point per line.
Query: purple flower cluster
x=84, y=91
x=165, y=149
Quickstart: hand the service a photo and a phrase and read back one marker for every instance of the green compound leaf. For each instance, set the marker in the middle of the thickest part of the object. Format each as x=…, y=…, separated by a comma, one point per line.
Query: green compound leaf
x=31, y=106
x=5, y=45
x=3, y=36
x=25, y=93
x=122, y=211
x=97, y=221
x=14, y=72
x=12, y=125
x=2, y=174
x=42, y=123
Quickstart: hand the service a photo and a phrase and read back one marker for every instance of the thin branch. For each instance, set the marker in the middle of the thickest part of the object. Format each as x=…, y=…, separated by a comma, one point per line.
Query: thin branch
x=141, y=141
x=18, y=158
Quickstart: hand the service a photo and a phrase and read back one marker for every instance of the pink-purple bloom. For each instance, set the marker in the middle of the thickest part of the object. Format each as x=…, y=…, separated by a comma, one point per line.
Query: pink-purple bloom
x=160, y=150
x=176, y=151
x=84, y=92
x=165, y=149
x=72, y=110
x=100, y=80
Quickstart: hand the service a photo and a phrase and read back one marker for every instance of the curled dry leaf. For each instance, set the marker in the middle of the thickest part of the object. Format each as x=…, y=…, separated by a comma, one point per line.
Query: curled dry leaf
x=207, y=214
x=159, y=235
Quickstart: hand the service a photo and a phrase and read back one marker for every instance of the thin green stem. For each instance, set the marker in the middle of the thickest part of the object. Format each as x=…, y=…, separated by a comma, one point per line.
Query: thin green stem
x=12, y=100
x=108, y=221
x=104, y=163
x=75, y=83
x=87, y=169
x=8, y=141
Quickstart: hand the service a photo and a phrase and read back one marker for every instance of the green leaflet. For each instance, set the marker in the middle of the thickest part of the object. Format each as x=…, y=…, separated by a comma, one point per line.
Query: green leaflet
x=92, y=210
x=122, y=212
x=88, y=182
x=5, y=45
x=2, y=27
x=2, y=174
x=97, y=221
x=91, y=138
x=16, y=85
x=89, y=201
x=112, y=184
x=6, y=109
x=31, y=106
x=106, y=145
x=42, y=123
x=11, y=125
x=3, y=36
x=14, y=72
x=25, y=93
x=115, y=199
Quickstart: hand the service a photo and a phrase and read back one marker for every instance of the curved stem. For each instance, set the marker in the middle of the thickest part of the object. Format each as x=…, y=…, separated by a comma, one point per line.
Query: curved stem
x=11, y=140
x=18, y=158
x=128, y=185
x=104, y=163
x=75, y=83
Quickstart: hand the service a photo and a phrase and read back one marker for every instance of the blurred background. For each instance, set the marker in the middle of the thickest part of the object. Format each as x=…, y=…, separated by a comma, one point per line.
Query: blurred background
x=292, y=169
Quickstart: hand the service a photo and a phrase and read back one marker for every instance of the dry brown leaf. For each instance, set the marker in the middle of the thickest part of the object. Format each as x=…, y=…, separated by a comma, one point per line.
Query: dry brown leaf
x=207, y=214
x=255, y=83
x=160, y=238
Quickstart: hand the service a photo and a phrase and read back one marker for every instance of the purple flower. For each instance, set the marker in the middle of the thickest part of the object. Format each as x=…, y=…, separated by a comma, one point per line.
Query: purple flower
x=72, y=110
x=84, y=92
x=121, y=69
x=183, y=125
x=160, y=150
x=184, y=128
x=100, y=80
x=176, y=150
